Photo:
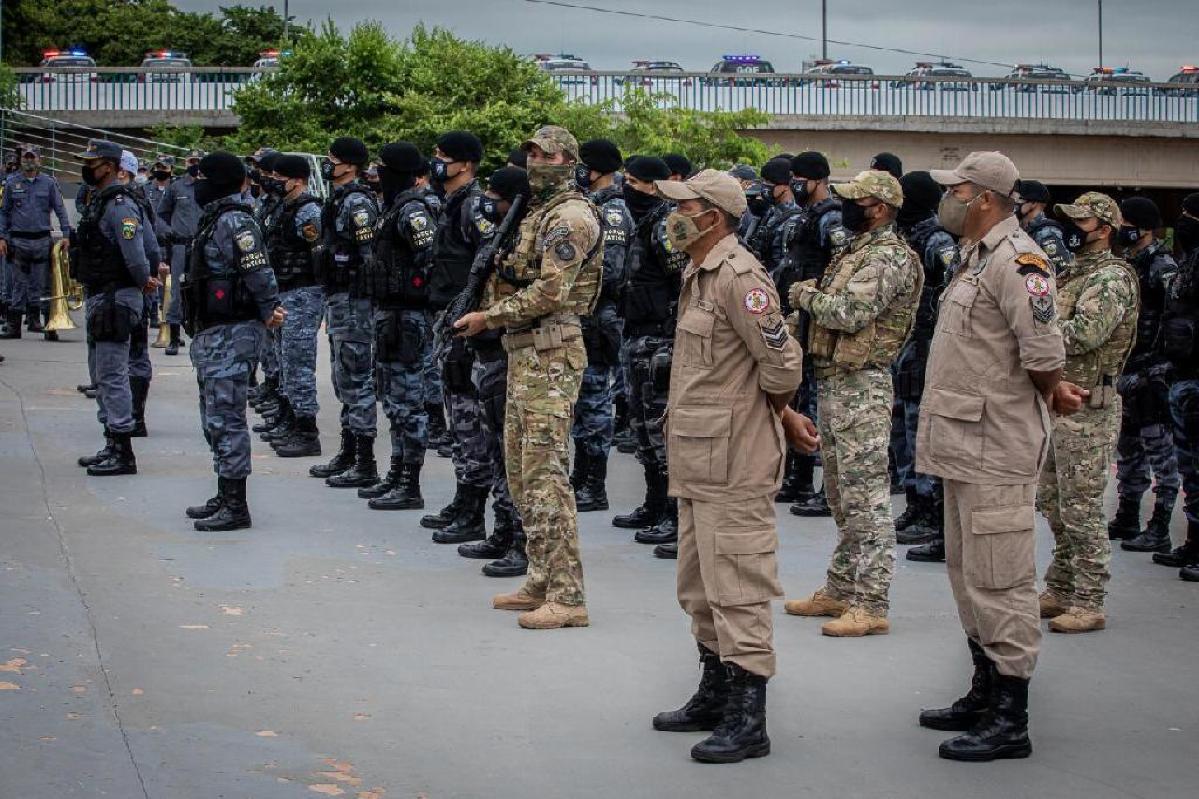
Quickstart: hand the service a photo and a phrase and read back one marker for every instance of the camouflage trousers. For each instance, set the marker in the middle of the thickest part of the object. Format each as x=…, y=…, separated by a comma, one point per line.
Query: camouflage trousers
x=646, y=405
x=471, y=455
x=305, y=308
x=110, y=362
x=595, y=415
x=269, y=357
x=1143, y=449
x=1070, y=495
x=855, y=423
x=542, y=389
x=1184, y=409
x=431, y=374
x=490, y=376
x=351, y=326
x=400, y=380
x=223, y=356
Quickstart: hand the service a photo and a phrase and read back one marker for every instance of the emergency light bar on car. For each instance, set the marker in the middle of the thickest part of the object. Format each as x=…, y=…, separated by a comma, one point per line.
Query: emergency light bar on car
x=742, y=59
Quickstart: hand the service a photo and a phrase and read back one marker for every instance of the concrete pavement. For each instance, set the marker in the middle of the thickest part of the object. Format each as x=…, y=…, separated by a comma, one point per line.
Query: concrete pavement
x=337, y=651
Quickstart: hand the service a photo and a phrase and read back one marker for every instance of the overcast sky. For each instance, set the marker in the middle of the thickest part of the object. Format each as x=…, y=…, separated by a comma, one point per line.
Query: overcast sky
x=1154, y=36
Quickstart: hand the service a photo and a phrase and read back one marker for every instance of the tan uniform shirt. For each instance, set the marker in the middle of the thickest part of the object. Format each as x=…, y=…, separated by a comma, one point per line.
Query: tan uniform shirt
x=981, y=418
x=724, y=441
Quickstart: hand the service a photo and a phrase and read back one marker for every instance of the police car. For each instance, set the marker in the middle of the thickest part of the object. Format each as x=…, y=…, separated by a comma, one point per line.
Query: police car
x=827, y=69
x=77, y=62
x=269, y=59
x=165, y=66
x=649, y=73
x=1026, y=72
x=944, y=70
x=1187, y=76
x=565, y=68
x=740, y=70
x=1118, y=81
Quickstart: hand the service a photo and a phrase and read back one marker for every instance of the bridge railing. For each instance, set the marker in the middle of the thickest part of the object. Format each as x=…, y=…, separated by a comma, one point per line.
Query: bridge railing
x=807, y=94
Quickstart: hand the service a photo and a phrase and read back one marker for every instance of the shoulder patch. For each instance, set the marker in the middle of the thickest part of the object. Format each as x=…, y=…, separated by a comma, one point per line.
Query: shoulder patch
x=419, y=221
x=948, y=255
x=361, y=217
x=565, y=251
x=756, y=301
x=1043, y=308
x=838, y=236
x=246, y=241
x=1029, y=263
x=614, y=217
x=1037, y=285
x=128, y=228
x=309, y=232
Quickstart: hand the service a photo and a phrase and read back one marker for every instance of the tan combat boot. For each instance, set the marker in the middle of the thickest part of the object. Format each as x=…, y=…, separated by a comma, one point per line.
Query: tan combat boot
x=1078, y=620
x=855, y=623
x=552, y=615
x=818, y=604
x=518, y=600
x=1051, y=606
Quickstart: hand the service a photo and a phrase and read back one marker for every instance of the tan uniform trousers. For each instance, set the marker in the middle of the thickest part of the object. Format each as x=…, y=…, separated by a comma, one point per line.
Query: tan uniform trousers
x=990, y=551
x=727, y=576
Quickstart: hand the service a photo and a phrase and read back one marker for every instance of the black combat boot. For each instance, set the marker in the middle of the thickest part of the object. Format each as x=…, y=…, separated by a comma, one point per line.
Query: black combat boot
x=284, y=427
x=1156, y=535
x=103, y=453
x=741, y=732
x=120, y=458
x=437, y=521
x=272, y=420
x=515, y=562
x=343, y=460
x=911, y=513
x=364, y=472
x=968, y=711
x=1126, y=523
x=925, y=527
x=210, y=506
x=406, y=493
x=140, y=388
x=665, y=531
x=234, y=513
x=33, y=320
x=667, y=551
x=495, y=545
x=932, y=552
x=267, y=395
x=649, y=512
x=14, y=325
x=1189, y=573
x=1185, y=555
x=594, y=493
x=438, y=435
x=578, y=471
x=816, y=506
x=92, y=392
x=469, y=523
x=386, y=482
x=304, y=441
x=1002, y=731
x=176, y=340
x=800, y=472
x=705, y=709
x=83, y=388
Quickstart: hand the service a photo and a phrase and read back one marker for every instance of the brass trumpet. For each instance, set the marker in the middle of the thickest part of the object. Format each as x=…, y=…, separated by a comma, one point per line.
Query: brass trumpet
x=65, y=293
x=164, y=332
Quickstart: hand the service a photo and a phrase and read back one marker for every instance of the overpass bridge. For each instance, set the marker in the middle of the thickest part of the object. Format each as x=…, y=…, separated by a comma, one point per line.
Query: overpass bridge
x=1067, y=133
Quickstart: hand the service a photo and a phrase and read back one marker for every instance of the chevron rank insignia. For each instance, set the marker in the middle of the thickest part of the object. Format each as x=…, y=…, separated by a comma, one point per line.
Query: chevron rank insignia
x=774, y=332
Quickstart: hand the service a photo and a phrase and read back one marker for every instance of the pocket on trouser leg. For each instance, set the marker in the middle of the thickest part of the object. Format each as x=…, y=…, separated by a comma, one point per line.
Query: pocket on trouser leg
x=1001, y=550
x=745, y=567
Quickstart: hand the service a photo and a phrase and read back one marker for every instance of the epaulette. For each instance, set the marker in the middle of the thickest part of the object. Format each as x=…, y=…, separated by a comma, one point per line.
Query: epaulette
x=741, y=261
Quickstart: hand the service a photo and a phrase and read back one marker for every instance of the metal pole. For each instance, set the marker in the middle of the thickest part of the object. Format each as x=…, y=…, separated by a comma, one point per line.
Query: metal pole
x=824, y=29
x=285, y=21
x=1100, y=32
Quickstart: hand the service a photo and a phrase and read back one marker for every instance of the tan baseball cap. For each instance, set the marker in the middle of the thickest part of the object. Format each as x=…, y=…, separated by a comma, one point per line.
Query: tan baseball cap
x=871, y=183
x=991, y=170
x=1092, y=204
x=719, y=188
x=554, y=139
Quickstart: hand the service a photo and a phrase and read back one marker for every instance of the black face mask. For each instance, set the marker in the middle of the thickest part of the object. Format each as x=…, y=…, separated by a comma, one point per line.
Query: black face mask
x=207, y=191
x=489, y=209
x=800, y=189
x=193, y=170
x=88, y=173
x=853, y=217
x=1186, y=232
x=327, y=169
x=1074, y=236
x=439, y=171
x=583, y=177
x=255, y=191
x=638, y=202
x=909, y=215
x=755, y=198
x=394, y=183
x=160, y=174
x=1128, y=236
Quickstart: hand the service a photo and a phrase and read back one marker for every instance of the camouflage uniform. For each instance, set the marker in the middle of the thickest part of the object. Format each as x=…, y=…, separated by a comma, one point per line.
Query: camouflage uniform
x=490, y=376
x=303, y=300
x=1097, y=304
x=1048, y=236
x=861, y=316
x=550, y=279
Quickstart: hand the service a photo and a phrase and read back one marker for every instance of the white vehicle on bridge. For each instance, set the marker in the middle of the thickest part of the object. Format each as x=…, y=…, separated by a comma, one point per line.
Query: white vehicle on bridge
x=165, y=66
x=834, y=68
x=76, y=63
x=740, y=70
x=567, y=69
x=1026, y=72
x=944, y=69
x=654, y=73
x=1187, y=76
x=1119, y=81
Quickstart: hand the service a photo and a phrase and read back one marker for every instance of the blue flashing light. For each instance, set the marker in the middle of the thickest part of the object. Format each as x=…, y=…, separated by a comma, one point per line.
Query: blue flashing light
x=742, y=59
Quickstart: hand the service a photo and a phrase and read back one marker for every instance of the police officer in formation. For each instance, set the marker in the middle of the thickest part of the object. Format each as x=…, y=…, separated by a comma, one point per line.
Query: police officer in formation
x=505, y=547
x=264, y=197
x=30, y=196
x=922, y=521
x=348, y=222
x=648, y=305
x=398, y=286
x=180, y=217
x=769, y=242
x=1032, y=199
x=594, y=424
x=1145, y=445
x=109, y=251
x=1097, y=305
x=861, y=312
x=293, y=230
x=231, y=301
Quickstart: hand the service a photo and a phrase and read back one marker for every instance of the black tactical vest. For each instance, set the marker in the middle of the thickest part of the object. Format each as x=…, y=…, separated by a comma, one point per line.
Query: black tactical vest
x=1153, y=302
x=653, y=287
x=1179, y=334
x=399, y=277
x=290, y=252
x=342, y=258
x=934, y=278
x=215, y=298
x=99, y=263
x=452, y=254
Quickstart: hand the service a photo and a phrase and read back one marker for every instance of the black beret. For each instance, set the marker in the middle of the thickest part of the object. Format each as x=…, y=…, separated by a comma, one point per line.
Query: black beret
x=811, y=165
x=647, y=167
x=223, y=169
x=1190, y=203
x=920, y=191
x=402, y=156
x=1141, y=212
x=888, y=162
x=293, y=166
x=461, y=145
x=350, y=150
x=744, y=172
x=269, y=160
x=1033, y=191
x=679, y=164
x=508, y=182
x=518, y=157
x=601, y=155
x=777, y=171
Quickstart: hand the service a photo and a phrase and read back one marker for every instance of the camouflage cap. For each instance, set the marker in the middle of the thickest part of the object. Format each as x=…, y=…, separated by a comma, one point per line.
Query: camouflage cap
x=872, y=183
x=554, y=139
x=718, y=188
x=1092, y=204
x=165, y=159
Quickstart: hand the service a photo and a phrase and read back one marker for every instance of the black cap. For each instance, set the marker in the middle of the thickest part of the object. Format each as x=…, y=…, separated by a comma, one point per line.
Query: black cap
x=509, y=182
x=811, y=165
x=269, y=160
x=402, y=156
x=349, y=150
x=101, y=149
x=259, y=154
x=601, y=155
x=1190, y=203
x=1141, y=212
x=744, y=172
x=920, y=191
x=293, y=166
x=224, y=170
x=1033, y=191
x=679, y=164
x=461, y=145
x=518, y=157
x=888, y=162
x=647, y=167
x=777, y=171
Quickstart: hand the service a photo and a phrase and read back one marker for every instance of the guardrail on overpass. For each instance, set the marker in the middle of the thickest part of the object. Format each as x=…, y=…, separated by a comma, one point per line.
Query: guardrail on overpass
x=212, y=89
